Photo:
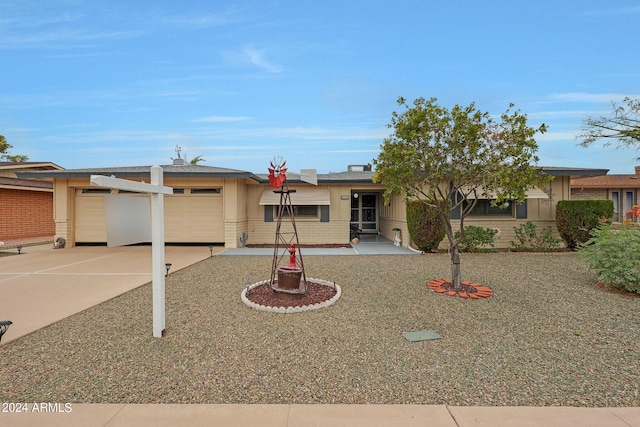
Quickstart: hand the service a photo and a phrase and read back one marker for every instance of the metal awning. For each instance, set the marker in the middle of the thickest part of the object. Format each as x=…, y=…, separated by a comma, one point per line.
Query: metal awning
x=311, y=196
x=532, y=193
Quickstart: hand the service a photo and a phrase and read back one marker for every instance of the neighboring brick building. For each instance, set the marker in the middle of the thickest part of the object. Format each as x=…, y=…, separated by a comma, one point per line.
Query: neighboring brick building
x=623, y=189
x=26, y=205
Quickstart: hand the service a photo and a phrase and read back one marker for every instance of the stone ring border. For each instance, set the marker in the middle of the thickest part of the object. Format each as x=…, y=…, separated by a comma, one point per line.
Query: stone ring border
x=299, y=309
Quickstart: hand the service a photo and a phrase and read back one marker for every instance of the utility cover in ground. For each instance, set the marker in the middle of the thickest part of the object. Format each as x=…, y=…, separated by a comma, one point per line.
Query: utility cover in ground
x=421, y=336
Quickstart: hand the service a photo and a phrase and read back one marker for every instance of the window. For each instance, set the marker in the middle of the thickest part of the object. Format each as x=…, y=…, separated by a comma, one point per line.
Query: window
x=628, y=204
x=96, y=191
x=615, y=196
x=299, y=211
x=484, y=208
x=206, y=190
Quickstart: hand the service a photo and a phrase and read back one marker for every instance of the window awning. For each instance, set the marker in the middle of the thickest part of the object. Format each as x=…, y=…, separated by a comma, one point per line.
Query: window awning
x=311, y=196
x=532, y=193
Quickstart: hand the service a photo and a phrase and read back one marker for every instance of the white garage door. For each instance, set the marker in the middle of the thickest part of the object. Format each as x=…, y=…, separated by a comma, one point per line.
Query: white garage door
x=196, y=218
x=189, y=218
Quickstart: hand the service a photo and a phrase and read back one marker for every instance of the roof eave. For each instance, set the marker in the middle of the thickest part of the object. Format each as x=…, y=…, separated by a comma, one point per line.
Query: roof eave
x=136, y=174
x=574, y=172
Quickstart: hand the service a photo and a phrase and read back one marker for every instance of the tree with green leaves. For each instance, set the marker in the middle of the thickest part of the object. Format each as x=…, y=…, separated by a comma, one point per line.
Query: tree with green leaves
x=449, y=159
x=4, y=152
x=622, y=125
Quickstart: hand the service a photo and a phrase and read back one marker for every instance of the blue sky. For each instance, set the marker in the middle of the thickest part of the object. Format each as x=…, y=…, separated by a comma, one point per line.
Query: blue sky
x=121, y=83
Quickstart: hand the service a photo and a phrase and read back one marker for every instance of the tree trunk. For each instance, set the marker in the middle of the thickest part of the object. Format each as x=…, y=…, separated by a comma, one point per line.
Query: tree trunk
x=456, y=278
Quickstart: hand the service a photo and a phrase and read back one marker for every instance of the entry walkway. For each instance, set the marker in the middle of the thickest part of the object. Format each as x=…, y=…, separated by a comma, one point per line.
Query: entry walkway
x=368, y=245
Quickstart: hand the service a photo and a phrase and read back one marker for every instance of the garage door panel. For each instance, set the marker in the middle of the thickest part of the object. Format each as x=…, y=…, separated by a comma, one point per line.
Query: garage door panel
x=90, y=225
x=194, y=219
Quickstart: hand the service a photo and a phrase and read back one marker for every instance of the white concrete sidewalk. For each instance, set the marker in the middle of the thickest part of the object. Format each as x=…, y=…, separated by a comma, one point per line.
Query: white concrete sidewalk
x=116, y=415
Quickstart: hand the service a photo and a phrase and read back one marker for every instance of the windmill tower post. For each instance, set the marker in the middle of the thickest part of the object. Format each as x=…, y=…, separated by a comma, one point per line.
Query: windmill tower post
x=291, y=280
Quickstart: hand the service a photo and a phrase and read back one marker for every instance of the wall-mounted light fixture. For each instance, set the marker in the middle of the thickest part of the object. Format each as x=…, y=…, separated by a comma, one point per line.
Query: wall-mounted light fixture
x=355, y=195
x=19, y=248
x=211, y=251
x=167, y=266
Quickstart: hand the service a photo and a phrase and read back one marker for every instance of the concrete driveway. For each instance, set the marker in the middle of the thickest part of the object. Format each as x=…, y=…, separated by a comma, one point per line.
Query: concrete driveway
x=42, y=285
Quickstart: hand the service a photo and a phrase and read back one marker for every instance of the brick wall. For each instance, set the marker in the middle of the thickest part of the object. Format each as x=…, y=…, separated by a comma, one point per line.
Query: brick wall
x=25, y=214
x=589, y=194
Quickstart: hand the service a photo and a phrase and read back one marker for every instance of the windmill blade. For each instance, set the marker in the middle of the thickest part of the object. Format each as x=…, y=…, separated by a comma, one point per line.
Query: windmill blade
x=309, y=175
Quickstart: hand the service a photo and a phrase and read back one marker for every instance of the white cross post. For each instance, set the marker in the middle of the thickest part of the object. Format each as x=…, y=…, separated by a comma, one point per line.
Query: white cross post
x=157, y=191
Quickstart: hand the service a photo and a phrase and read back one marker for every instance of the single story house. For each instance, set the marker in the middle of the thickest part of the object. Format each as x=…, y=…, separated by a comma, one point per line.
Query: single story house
x=26, y=205
x=623, y=189
x=213, y=205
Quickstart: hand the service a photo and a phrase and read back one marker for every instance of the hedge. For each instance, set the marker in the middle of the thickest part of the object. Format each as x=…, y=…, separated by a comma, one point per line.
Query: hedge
x=577, y=218
x=425, y=226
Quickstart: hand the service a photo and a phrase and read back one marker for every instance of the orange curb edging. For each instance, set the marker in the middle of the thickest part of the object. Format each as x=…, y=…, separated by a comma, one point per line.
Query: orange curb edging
x=611, y=288
x=481, y=291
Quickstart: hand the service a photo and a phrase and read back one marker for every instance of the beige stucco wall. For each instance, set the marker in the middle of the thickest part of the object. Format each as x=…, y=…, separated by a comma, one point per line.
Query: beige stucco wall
x=235, y=211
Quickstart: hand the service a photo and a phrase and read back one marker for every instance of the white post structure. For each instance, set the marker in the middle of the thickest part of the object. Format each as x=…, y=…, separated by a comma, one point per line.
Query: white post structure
x=157, y=191
x=157, y=253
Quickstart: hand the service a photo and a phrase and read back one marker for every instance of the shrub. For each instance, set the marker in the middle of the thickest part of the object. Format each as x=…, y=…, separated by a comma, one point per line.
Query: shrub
x=577, y=218
x=425, y=226
x=476, y=239
x=615, y=256
x=529, y=239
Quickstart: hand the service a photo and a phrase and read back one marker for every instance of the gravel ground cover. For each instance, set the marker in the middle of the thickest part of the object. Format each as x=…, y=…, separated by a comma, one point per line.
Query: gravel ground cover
x=549, y=336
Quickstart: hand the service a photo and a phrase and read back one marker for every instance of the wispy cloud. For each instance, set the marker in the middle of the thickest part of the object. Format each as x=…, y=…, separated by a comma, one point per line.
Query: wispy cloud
x=64, y=37
x=557, y=136
x=229, y=16
x=221, y=119
x=369, y=150
x=257, y=57
x=588, y=97
x=117, y=99
x=558, y=114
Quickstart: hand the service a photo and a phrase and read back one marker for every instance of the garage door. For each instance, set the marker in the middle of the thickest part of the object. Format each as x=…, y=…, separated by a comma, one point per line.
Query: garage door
x=194, y=218
x=89, y=216
x=189, y=218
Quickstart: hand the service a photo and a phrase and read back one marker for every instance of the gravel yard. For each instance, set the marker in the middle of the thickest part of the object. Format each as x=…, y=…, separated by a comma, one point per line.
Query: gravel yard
x=548, y=336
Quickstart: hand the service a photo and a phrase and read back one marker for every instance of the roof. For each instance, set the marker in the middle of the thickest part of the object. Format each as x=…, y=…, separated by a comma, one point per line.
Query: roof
x=351, y=177
x=16, y=166
x=568, y=171
x=173, y=171
x=24, y=183
x=608, y=181
x=199, y=171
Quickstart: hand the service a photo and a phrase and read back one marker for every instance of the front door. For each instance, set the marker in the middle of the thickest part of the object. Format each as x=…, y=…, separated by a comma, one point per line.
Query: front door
x=364, y=211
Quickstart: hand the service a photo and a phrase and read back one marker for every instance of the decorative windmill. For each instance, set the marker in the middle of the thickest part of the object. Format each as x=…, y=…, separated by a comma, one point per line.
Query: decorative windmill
x=289, y=284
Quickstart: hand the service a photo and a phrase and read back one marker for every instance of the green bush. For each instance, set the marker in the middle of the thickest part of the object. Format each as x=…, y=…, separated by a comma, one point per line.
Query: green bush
x=476, y=239
x=615, y=256
x=529, y=240
x=577, y=218
x=425, y=226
